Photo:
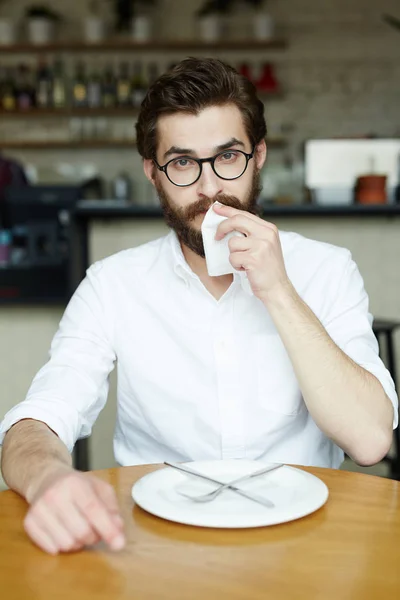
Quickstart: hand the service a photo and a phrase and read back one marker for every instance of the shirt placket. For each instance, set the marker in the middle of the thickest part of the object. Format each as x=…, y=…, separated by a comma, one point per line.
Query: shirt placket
x=230, y=398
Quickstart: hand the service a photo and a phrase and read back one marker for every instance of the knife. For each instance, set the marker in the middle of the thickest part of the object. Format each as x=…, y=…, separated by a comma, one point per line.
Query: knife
x=248, y=495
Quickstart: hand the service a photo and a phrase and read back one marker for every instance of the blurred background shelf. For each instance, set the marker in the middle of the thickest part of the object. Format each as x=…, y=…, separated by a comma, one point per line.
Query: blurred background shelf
x=153, y=46
x=67, y=145
x=89, y=144
x=116, y=209
x=37, y=113
x=123, y=112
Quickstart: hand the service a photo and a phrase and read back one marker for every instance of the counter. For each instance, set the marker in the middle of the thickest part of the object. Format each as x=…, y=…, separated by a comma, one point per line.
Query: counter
x=115, y=209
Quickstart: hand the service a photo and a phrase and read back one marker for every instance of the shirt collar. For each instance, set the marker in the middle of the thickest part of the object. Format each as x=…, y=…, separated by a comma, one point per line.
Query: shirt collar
x=183, y=270
x=180, y=265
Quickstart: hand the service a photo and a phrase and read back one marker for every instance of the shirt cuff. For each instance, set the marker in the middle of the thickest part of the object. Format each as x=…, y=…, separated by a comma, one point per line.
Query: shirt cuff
x=67, y=428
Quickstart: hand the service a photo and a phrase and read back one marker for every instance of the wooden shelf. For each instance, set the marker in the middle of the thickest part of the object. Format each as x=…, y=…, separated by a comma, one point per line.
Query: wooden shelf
x=91, y=144
x=66, y=144
x=38, y=113
x=70, y=112
x=153, y=46
x=91, y=209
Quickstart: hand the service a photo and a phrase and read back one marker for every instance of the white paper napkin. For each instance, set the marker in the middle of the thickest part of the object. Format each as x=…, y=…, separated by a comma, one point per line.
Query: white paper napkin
x=217, y=251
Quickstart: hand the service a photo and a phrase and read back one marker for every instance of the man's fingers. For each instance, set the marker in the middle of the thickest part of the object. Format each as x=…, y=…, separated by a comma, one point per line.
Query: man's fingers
x=239, y=222
x=229, y=211
x=78, y=525
x=76, y=511
x=93, y=508
x=107, y=494
x=241, y=261
x=239, y=244
x=40, y=536
x=118, y=521
x=55, y=529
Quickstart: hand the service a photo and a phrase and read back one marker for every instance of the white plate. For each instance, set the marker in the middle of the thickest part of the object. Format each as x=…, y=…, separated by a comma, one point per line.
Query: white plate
x=294, y=492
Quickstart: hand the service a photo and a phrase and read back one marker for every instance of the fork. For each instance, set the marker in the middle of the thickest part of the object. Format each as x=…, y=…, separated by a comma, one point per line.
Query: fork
x=248, y=495
x=209, y=496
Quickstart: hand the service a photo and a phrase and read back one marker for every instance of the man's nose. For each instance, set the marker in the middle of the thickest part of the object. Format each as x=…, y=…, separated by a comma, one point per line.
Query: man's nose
x=209, y=183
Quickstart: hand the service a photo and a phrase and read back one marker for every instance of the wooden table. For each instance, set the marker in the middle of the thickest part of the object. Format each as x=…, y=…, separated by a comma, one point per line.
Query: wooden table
x=349, y=549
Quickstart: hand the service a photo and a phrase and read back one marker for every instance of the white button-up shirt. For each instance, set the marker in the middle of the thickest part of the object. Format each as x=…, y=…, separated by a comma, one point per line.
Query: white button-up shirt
x=197, y=378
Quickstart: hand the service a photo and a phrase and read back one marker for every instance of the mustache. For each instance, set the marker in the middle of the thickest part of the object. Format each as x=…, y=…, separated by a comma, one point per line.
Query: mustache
x=203, y=204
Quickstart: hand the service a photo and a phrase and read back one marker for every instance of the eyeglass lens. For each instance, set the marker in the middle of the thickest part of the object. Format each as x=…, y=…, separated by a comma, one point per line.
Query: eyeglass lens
x=228, y=165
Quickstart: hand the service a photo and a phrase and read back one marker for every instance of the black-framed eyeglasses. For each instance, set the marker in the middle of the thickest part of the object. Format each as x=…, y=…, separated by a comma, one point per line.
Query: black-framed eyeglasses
x=186, y=170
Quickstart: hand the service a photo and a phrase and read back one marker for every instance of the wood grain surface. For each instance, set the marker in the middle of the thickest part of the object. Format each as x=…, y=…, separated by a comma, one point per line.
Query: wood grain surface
x=349, y=549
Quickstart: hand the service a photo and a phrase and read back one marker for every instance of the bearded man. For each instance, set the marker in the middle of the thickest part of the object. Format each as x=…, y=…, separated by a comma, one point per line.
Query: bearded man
x=274, y=362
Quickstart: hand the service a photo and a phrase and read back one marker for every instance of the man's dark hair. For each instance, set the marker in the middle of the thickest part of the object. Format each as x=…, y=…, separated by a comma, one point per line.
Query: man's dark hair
x=191, y=86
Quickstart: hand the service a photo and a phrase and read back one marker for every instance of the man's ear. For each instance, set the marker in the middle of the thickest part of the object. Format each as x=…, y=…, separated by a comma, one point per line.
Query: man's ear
x=149, y=169
x=260, y=154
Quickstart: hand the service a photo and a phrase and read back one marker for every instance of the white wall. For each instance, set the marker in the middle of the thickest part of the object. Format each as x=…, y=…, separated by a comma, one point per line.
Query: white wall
x=25, y=336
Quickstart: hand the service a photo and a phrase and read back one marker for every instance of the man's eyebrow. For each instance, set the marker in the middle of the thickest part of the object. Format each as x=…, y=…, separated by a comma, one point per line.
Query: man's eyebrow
x=190, y=151
x=177, y=150
x=232, y=142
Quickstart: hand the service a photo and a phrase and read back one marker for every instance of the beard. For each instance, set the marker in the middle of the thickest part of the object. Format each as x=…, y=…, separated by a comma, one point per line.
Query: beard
x=180, y=218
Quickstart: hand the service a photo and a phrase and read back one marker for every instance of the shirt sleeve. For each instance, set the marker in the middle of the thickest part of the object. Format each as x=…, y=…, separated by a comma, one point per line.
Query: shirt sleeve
x=349, y=323
x=69, y=392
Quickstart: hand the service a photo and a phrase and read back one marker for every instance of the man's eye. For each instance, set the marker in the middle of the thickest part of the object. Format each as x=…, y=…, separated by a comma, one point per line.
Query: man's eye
x=228, y=156
x=182, y=163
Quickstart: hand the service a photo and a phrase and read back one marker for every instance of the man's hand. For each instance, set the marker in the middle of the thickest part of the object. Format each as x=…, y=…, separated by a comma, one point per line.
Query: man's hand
x=71, y=510
x=259, y=253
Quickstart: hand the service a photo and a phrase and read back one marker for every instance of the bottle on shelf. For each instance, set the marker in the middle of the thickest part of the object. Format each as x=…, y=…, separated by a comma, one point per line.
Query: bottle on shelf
x=80, y=87
x=139, y=85
x=7, y=90
x=268, y=82
x=123, y=86
x=2, y=84
x=121, y=187
x=5, y=247
x=245, y=70
x=44, y=86
x=109, y=96
x=25, y=92
x=59, y=91
x=94, y=90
